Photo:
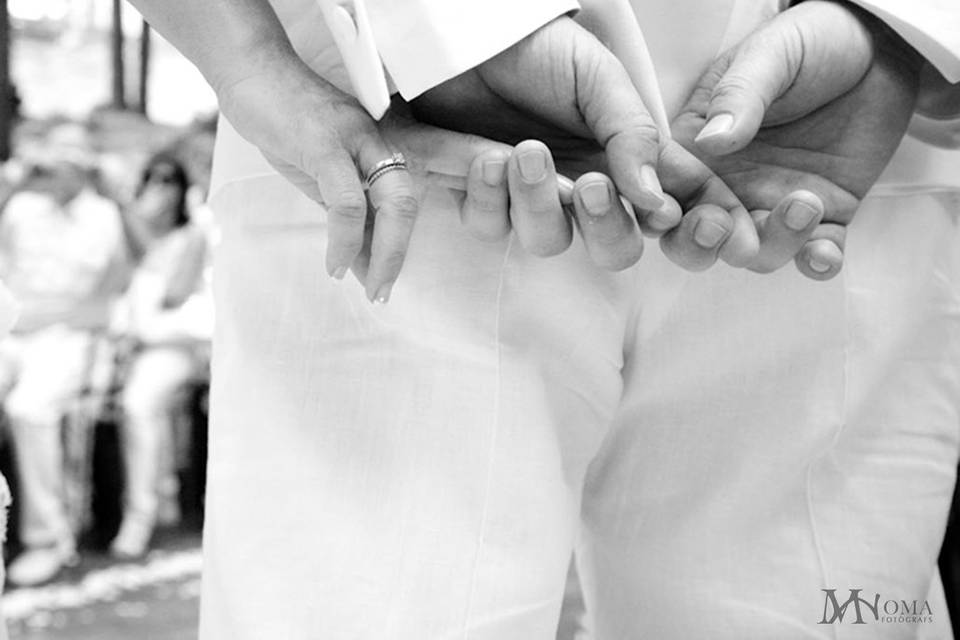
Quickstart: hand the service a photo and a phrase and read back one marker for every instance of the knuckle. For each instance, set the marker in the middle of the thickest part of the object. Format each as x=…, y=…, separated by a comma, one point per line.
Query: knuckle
x=318, y=151
x=624, y=258
x=389, y=263
x=642, y=136
x=767, y=264
x=733, y=85
x=350, y=205
x=404, y=206
x=354, y=126
x=547, y=247
x=647, y=130
x=536, y=210
x=487, y=207
x=351, y=242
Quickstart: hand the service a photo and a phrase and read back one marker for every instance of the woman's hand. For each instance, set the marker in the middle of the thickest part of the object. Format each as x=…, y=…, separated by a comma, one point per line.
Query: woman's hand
x=317, y=136
x=324, y=142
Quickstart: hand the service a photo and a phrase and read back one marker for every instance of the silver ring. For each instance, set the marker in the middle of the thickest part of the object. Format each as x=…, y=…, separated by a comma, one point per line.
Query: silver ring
x=396, y=162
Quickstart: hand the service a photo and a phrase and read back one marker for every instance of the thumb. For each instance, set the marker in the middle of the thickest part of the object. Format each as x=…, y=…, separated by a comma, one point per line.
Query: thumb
x=617, y=117
x=747, y=80
x=801, y=60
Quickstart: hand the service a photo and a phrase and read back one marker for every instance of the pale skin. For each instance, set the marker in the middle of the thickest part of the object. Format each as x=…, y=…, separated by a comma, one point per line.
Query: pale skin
x=322, y=140
x=824, y=116
x=803, y=116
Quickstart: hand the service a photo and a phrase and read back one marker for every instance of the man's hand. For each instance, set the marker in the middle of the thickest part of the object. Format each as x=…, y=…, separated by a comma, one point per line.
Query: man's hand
x=800, y=120
x=562, y=87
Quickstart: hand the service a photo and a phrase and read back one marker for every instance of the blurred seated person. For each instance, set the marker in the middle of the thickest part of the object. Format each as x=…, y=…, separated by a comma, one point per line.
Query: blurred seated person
x=167, y=319
x=64, y=256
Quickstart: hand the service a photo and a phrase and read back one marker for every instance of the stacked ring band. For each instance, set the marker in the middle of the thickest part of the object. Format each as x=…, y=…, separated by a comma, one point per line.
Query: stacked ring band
x=396, y=162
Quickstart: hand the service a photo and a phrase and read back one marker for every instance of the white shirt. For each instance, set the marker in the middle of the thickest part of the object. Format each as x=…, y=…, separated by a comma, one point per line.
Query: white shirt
x=62, y=264
x=424, y=43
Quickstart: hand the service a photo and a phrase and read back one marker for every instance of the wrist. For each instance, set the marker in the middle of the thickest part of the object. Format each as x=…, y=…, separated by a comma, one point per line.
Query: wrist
x=223, y=38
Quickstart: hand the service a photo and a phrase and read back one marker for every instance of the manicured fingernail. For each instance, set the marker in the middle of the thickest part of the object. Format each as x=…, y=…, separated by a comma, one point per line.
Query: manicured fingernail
x=493, y=171
x=709, y=234
x=532, y=165
x=596, y=198
x=718, y=125
x=383, y=294
x=339, y=273
x=818, y=266
x=652, y=194
x=800, y=215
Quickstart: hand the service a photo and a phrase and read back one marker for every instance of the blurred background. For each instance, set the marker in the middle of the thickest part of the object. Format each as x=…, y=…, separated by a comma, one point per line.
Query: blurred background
x=106, y=135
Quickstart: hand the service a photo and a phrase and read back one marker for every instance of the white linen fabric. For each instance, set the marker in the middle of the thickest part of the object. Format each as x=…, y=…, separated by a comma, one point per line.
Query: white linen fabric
x=929, y=26
x=719, y=448
x=41, y=373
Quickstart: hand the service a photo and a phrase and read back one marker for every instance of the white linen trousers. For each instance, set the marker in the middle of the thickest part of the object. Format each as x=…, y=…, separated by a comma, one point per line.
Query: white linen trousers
x=719, y=448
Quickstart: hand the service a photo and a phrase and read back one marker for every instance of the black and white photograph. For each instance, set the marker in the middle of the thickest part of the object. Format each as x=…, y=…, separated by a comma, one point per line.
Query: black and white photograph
x=479, y=320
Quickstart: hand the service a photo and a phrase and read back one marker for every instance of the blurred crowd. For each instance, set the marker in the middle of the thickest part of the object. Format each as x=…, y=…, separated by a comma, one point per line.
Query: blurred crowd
x=107, y=256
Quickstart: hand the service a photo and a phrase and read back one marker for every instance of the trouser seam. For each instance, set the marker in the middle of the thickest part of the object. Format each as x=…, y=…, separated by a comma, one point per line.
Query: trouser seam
x=491, y=450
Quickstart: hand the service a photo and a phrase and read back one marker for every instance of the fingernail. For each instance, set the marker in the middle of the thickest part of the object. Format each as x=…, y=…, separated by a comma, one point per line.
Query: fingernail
x=339, y=273
x=383, y=294
x=800, y=215
x=596, y=198
x=661, y=220
x=818, y=266
x=532, y=165
x=718, y=124
x=493, y=171
x=709, y=234
x=652, y=193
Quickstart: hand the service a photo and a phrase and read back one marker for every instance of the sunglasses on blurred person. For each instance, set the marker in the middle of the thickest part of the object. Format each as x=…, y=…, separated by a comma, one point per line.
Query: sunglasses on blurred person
x=163, y=176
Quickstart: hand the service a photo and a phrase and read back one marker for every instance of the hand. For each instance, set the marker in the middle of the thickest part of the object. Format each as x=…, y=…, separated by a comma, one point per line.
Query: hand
x=315, y=135
x=501, y=196
x=369, y=235
x=320, y=138
x=491, y=177
x=801, y=119
x=585, y=109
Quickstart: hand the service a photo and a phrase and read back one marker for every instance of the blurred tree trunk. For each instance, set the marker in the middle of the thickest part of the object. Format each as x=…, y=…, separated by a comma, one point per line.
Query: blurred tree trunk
x=6, y=88
x=118, y=100
x=144, y=67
